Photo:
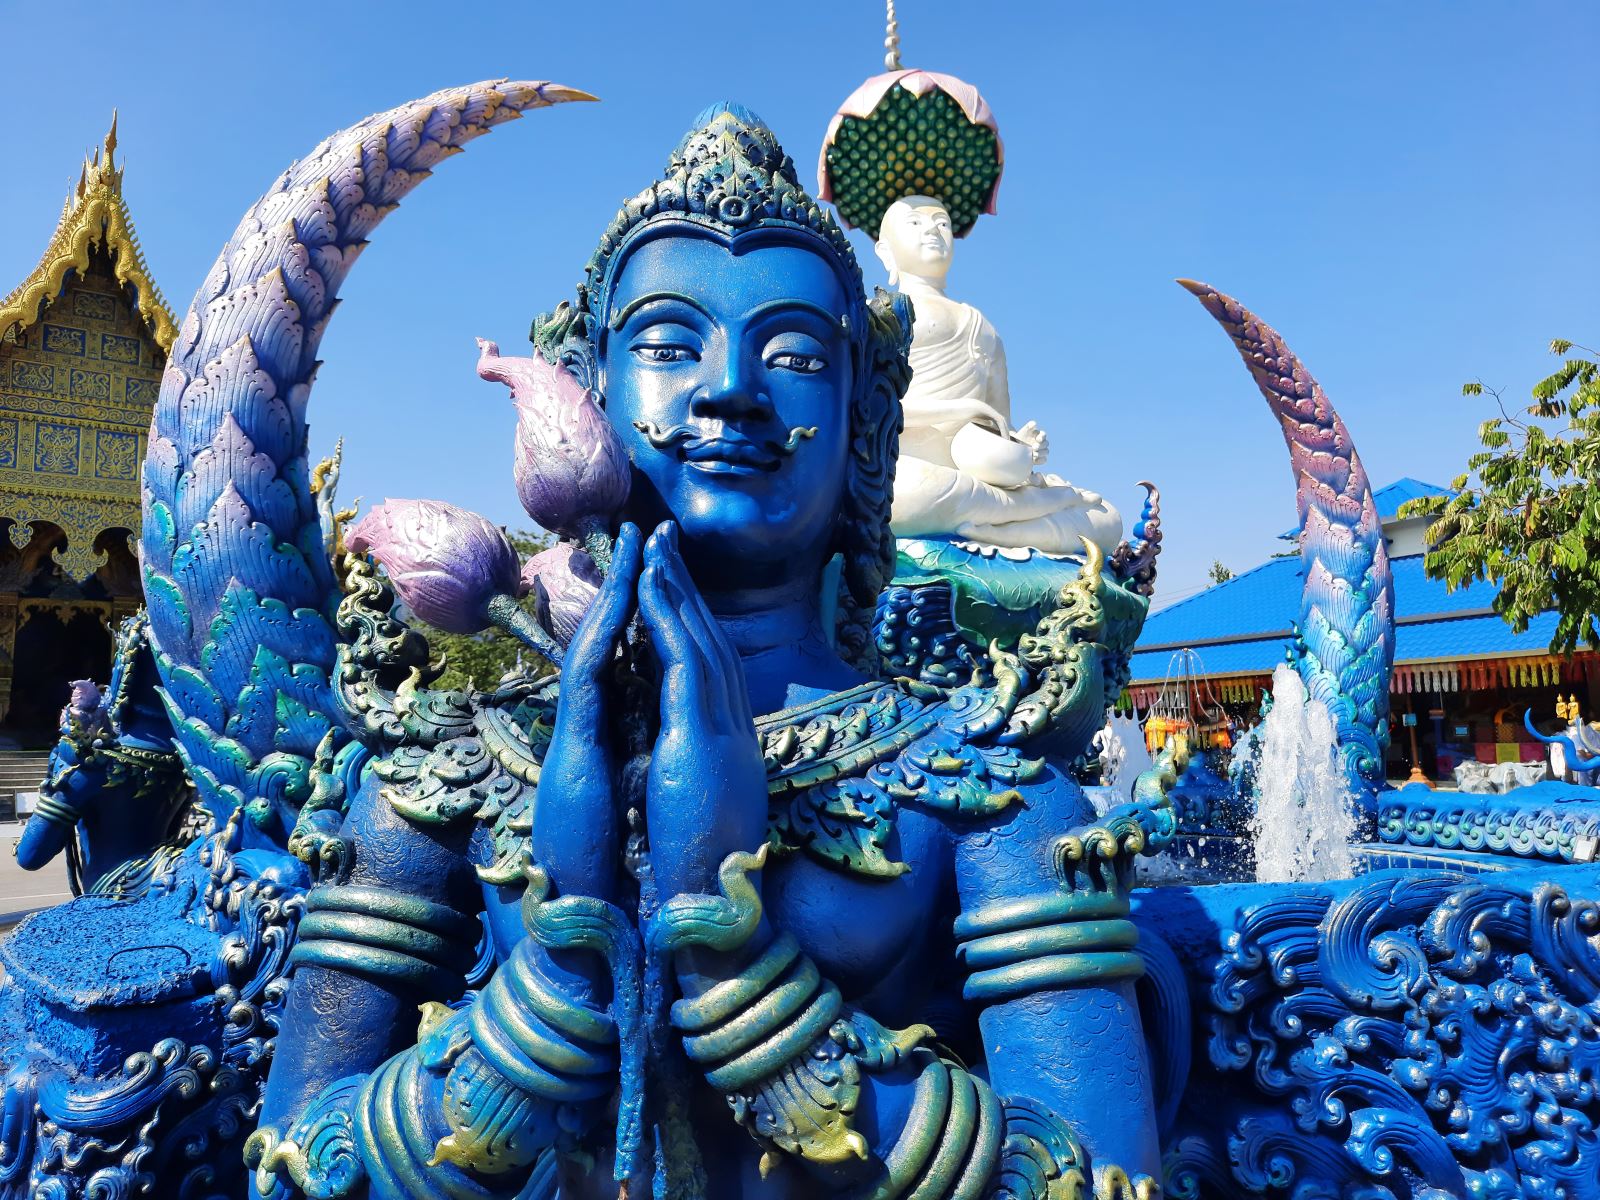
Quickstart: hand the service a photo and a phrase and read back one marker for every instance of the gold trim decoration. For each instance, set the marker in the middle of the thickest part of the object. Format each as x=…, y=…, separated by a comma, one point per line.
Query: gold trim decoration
x=65, y=610
x=94, y=215
x=80, y=518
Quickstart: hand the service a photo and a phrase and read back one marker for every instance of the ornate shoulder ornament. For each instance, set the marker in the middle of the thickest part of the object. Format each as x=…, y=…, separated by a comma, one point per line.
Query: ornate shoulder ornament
x=442, y=753
x=838, y=767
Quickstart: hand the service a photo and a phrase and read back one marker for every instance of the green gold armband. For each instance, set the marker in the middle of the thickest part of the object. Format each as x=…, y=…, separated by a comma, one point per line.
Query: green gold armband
x=1059, y=939
x=488, y=1088
x=775, y=1038
x=388, y=937
x=57, y=812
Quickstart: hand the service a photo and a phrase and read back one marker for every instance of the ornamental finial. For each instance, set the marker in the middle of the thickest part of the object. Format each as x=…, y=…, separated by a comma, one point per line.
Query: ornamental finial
x=111, y=138
x=891, y=41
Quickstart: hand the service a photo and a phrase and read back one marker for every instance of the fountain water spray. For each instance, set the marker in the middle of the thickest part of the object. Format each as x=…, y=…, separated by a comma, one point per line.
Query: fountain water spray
x=1123, y=758
x=1304, y=820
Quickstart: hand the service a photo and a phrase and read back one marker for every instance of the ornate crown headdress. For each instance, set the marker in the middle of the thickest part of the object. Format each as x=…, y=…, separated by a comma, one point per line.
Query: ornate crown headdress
x=730, y=175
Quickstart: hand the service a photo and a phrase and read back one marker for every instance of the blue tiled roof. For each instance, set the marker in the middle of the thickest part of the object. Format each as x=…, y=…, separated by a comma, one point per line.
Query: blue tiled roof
x=1266, y=601
x=1389, y=499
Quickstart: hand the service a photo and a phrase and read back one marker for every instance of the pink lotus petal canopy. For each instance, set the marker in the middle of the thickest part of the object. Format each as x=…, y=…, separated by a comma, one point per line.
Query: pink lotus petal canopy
x=862, y=103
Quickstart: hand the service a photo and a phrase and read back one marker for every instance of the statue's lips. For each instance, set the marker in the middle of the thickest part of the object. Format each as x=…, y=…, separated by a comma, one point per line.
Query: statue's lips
x=727, y=456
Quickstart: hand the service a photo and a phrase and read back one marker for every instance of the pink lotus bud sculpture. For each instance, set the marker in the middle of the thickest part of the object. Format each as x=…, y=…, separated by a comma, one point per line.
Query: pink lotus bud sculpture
x=454, y=569
x=564, y=582
x=572, y=473
x=447, y=564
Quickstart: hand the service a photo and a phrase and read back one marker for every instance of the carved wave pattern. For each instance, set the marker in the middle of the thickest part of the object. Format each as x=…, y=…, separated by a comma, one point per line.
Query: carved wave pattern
x=1557, y=832
x=174, y=1117
x=1418, y=1037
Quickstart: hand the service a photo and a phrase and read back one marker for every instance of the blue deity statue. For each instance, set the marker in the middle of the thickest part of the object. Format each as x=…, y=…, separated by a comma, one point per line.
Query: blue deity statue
x=115, y=799
x=761, y=920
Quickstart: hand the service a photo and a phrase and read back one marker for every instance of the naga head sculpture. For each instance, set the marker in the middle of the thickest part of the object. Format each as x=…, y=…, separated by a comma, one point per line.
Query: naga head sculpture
x=724, y=323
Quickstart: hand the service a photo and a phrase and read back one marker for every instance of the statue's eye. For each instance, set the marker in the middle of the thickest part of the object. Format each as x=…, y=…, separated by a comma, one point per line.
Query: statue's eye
x=789, y=360
x=665, y=354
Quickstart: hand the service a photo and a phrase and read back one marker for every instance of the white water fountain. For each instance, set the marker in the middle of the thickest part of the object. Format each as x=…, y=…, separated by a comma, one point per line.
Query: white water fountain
x=1123, y=758
x=1304, y=819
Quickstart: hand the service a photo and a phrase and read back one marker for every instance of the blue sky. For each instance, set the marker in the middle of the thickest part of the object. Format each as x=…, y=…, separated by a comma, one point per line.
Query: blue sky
x=1406, y=191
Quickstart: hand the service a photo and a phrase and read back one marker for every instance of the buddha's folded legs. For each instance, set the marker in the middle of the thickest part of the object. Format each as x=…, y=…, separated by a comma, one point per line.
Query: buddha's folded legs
x=1053, y=516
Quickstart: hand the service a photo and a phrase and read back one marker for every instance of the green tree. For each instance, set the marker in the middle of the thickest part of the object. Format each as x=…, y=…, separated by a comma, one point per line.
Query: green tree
x=1218, y=573
x=480, y=659
x=1530, y=521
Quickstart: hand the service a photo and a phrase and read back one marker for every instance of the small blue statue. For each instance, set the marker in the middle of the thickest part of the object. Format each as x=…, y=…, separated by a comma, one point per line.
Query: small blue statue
x=115, y=791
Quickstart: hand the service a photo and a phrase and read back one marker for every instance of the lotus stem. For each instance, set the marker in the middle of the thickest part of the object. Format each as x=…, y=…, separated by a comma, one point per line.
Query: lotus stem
x=597, y=541
x=505, y=613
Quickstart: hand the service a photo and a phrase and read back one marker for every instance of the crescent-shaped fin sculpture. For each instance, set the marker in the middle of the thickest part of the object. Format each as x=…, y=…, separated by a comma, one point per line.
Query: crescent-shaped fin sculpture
x=240, y=589
x=1344, y=648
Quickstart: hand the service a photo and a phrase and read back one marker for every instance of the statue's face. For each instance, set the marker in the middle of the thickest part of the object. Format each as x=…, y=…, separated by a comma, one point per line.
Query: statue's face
x=717, y=361
x=916, y=237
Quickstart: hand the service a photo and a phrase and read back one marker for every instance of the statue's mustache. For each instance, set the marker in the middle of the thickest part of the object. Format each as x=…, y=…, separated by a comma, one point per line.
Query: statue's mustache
x=688, y=438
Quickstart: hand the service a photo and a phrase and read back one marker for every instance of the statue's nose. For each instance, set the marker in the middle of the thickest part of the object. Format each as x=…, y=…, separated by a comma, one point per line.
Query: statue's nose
x=735, y=391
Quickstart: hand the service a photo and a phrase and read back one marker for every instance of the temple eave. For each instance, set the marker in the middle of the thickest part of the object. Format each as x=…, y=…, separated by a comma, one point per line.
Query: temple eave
x=98, y=218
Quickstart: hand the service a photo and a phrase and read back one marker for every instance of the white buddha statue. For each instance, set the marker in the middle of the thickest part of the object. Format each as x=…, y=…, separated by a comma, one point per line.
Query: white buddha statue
x=964, y=470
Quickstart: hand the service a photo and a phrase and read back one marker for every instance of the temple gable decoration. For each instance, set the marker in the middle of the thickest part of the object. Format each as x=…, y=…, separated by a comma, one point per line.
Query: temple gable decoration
x=83, y=343
x=83, y=340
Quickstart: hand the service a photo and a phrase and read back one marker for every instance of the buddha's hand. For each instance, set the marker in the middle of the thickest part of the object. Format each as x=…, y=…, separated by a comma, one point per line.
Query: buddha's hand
x=575, y=827
x=1031, y=435
x=706, y=796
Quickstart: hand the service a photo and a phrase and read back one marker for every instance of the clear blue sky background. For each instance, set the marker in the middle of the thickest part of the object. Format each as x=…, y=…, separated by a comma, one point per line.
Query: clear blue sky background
x=1407, y=191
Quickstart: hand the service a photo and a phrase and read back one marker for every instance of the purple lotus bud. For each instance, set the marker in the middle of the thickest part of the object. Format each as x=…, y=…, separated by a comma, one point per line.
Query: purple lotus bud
x=571, y=470
x=85, y=700
x=445, y=563
x=84, y=712
x=564, y=581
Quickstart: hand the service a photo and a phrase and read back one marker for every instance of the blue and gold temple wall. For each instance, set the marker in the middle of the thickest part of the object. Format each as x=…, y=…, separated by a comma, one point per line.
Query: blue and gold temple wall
x=83, y=341
x=76, y=392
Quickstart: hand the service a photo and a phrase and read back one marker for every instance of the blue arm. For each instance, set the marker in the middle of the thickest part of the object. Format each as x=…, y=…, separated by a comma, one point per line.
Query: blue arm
x=855, y=1105
x=1051, y=958
x=367, y=1101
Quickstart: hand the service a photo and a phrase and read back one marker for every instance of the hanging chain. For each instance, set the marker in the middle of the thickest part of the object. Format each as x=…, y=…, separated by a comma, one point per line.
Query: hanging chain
x=891, y=41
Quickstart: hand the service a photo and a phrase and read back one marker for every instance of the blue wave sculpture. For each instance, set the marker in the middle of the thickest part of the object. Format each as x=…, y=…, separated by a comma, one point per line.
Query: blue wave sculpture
x=1419, y=1034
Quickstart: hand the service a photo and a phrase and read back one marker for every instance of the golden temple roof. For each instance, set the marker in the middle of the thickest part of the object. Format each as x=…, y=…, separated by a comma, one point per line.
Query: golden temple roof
x=94, y=216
